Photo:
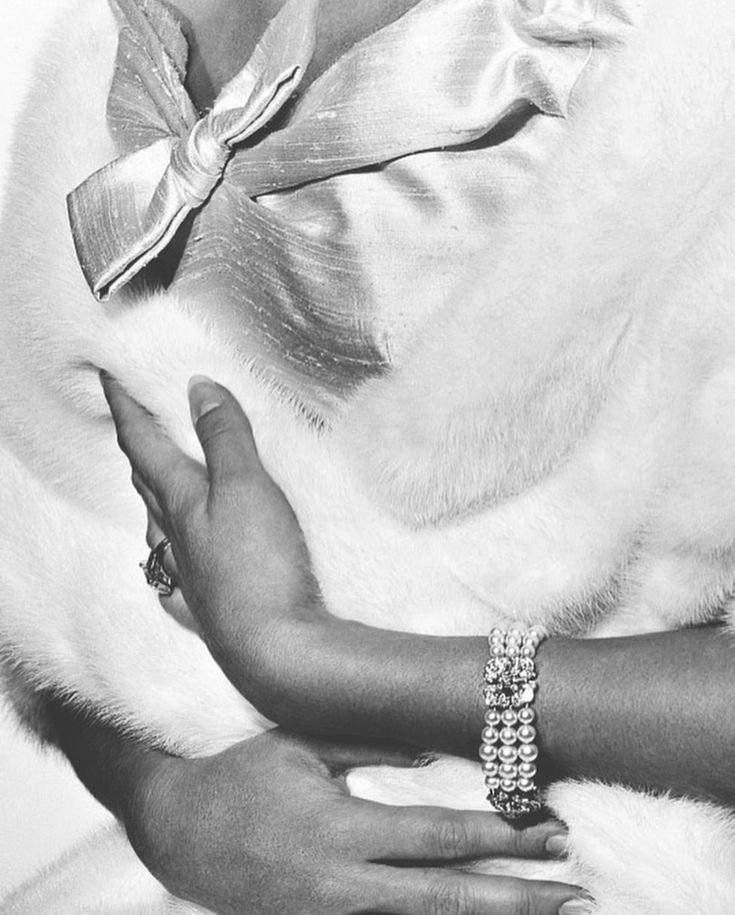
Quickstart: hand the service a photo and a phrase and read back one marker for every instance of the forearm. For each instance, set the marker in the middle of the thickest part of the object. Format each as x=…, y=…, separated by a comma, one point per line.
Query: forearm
x=375, y=683
x=114, y=768
x=650, y=711
x=653, y=711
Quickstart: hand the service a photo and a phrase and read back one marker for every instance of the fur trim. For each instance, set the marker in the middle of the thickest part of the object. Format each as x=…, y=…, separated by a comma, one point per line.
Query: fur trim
x=682, y=859
x=540, y=352
x=106, y=876
x=625, y=499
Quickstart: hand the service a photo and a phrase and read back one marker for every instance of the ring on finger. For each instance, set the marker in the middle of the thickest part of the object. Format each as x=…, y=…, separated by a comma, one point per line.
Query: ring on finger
x=155, y=572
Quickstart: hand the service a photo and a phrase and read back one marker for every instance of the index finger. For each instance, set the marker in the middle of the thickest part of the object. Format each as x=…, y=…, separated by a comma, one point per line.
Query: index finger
x=415, y=891
x=153, y=456
x=438, y=834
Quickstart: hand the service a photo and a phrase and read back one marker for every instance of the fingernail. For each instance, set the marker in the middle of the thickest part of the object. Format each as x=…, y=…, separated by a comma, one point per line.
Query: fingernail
x=556, y=845
x=424, y=759
x=577, y=907
x=204, y=396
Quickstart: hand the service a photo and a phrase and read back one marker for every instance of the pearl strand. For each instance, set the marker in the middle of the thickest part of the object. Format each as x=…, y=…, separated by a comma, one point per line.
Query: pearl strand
x=508, y=752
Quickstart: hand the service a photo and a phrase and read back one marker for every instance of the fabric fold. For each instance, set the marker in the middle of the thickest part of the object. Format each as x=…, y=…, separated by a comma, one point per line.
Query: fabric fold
x=127, y=213
x=328, y=223
x=400, y=92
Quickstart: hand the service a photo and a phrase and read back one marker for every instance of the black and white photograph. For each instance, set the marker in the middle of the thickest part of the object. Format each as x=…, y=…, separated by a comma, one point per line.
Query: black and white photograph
x=367, y=457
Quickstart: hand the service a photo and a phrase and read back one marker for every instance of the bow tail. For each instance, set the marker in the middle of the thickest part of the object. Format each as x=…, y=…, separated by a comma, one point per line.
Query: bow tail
x=125, y=215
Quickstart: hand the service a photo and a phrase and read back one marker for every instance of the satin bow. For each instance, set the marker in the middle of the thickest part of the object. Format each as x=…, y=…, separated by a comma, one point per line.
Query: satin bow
x=127, y=213
x=324, y=242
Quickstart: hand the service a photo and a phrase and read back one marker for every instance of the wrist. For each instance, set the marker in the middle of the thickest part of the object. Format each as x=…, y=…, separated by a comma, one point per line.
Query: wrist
x=151, y=782
x=151, y=814
x=281, y=665
x=299, y=672
x=553, y=701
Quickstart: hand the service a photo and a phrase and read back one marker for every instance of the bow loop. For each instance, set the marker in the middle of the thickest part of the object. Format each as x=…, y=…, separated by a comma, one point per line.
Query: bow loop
x=127, y=213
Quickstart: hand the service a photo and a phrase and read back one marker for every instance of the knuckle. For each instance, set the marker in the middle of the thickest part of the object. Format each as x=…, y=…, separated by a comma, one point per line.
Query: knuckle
x=338, y=832
x=526, y=902
x=213, y=425
x=449, y=896
x=232, y=489
x=332, y=888
x=172, y=496
x=178, y=486
x=450, y=837
x=335, y=892
x=176, y=500
x=326, y=832
x=515, y=840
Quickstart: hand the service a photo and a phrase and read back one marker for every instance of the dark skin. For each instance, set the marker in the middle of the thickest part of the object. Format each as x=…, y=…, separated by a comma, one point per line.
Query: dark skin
x=641, y=705
x=267, y=828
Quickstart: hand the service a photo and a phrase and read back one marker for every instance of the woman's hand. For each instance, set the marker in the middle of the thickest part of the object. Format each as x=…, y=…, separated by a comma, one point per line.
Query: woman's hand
x=240, y=558
x=268, y=828
x=243, y=568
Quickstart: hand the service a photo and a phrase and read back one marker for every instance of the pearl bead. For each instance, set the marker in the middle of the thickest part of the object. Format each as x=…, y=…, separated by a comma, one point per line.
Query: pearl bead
x=528, y=651
x=508, y=785
x=507, y=770
x=515, y=633
x=525, y=784
x=495, y=640
x=497, y=651
x=527, y=770
x=508, y=735
x=528, y=752
x=526, y=734
x=509, y=717
x=526, y=716
x=497, y=632
x=512, y=651
x=487, y=753
x=490, y=769
x=493, y=718
x=492, y=783
x=489, y=735
x=507, y=754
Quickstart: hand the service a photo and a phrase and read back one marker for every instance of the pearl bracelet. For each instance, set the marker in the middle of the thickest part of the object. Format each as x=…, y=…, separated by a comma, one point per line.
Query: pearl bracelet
x=508, y=751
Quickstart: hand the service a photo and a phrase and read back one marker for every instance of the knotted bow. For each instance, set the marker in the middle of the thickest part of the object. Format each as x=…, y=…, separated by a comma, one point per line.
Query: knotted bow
x=325, y=242
x=125, y=214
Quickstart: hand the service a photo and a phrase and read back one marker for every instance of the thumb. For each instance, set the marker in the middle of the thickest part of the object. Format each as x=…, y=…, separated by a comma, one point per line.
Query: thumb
x=223, y=430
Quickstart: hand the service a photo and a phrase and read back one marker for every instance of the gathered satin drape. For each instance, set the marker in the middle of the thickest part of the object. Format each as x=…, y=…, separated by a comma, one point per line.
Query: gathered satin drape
x=328, y=224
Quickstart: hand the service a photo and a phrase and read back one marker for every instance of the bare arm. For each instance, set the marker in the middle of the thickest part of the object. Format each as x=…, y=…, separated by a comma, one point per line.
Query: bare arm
x=650, y=711
x=117, y=770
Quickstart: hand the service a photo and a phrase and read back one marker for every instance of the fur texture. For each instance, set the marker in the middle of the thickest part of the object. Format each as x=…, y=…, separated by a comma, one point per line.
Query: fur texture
x=560, y=452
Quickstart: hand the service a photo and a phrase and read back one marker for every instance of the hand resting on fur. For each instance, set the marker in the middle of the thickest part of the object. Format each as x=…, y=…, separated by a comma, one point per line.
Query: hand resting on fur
x=629, y=710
